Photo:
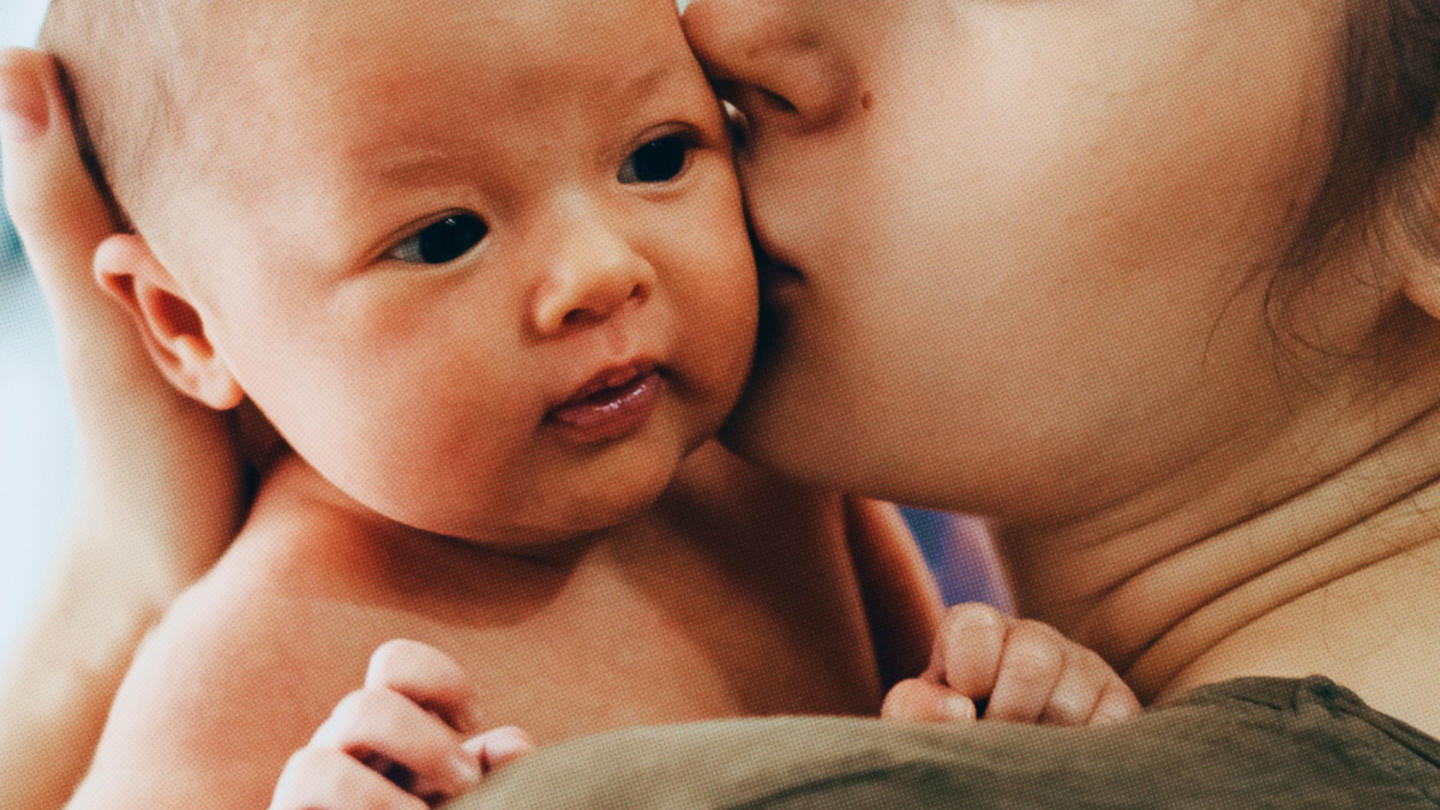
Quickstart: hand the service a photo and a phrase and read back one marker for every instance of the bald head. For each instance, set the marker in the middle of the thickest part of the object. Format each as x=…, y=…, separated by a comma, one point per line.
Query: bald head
x=130, y=67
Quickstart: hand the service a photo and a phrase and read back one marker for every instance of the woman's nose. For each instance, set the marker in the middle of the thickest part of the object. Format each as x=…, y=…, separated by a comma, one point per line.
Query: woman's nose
x=772, y=60
x=592, y=277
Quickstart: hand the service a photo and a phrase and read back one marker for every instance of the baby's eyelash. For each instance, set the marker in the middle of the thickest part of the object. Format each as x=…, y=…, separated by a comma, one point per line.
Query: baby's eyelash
x=659, y=160
x=442, y=241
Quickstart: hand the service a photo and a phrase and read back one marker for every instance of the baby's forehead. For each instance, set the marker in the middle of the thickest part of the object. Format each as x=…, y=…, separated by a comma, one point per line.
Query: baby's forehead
x=306, y=54
x=301, y=104
x=384, y=68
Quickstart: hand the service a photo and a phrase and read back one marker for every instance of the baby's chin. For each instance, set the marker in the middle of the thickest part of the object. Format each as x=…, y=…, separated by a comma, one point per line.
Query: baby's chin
x=545, y=518
x=553, y=494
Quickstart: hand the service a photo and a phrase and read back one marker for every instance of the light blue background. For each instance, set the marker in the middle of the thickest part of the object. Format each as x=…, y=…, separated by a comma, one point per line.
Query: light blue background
x=36, y=439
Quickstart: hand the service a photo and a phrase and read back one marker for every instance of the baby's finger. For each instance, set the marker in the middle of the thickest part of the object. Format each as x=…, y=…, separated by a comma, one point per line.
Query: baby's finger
x=1117, y=702
x=968, y=648
x=430, y=678
x=398, y=738
x=498, y=747
x=1030, y=667
x=1082, y=683
x=920, y=701
x=319, y=778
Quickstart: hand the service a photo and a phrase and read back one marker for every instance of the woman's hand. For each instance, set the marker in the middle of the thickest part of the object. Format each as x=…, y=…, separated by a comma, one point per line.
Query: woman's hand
x=161, y=490
x=161, y=479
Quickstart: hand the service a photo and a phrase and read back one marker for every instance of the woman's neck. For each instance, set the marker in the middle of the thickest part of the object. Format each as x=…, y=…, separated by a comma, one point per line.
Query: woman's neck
x=1315, y=554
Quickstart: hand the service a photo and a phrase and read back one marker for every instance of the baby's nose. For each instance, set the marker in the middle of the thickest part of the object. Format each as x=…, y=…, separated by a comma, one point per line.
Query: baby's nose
x=591, y=288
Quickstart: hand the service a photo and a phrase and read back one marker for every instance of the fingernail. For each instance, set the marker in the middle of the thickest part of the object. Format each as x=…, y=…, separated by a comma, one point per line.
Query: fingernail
x=497, y=747
x=1104, y=718
x=506, y=743
x=464, y=770
x=1111, y=711
x=24, y=110
x=957, y=708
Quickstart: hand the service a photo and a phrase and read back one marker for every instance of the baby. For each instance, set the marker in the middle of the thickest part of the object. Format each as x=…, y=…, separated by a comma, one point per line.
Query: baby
x=484, y=266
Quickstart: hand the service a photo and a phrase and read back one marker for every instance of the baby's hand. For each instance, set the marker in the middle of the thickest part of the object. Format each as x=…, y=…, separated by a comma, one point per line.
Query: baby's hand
x=400, y=742
x=1023, y=671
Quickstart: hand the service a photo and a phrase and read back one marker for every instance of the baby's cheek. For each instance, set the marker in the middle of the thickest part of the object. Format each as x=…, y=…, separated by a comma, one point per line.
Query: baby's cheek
x=722, y=318
x=410, y=438
x=710, y=276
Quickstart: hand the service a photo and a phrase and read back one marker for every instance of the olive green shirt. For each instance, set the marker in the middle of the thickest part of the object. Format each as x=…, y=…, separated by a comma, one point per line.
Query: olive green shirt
x=1248, y=743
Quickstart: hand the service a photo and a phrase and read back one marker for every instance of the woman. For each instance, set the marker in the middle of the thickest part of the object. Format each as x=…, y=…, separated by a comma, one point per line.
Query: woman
x=1151, y=283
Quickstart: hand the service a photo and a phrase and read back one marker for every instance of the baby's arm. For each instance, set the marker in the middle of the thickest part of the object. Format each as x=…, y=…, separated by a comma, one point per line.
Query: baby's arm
x=1023, y=671
x=399, y=741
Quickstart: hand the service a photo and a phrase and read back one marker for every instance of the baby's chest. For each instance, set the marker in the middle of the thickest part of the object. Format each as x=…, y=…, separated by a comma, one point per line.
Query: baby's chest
x=596, y=666
x=606, y=656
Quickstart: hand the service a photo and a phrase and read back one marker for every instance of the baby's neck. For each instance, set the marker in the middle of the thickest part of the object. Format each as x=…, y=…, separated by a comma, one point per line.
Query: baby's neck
x=292, y=478
x=1330, y=572
x=721, y=519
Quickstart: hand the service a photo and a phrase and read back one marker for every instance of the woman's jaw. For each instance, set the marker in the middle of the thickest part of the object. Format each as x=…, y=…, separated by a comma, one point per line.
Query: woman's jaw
x=1040, y=274
x=1018, y=257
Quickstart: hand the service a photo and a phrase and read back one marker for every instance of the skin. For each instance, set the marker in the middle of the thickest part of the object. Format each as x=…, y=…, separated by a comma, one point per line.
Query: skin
x=1195, y=515
x=418, y=710
x=565, y=543
x=295, y=257
x=1037, y=290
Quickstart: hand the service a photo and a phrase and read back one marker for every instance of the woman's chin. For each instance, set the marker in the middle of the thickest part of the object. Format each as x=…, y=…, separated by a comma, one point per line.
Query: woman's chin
x=773, y=427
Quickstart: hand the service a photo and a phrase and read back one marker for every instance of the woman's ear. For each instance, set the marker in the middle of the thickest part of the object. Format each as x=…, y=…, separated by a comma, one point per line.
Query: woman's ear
x=1417, y=220
x=169, y=324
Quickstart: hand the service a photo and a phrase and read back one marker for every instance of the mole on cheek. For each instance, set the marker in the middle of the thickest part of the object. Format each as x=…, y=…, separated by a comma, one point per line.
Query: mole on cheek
x=867, y=100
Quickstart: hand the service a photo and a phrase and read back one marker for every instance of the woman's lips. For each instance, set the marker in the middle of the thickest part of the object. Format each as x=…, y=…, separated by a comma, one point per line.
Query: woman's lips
x=781, y=287
x=614, y=404
x=779, y=282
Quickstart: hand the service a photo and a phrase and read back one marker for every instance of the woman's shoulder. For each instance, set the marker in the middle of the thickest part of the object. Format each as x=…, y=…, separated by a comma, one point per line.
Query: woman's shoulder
x=1316, y=710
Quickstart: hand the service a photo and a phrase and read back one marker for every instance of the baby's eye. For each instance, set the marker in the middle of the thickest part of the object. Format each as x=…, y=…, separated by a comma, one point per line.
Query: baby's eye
x=443, y=242
x=657, y=161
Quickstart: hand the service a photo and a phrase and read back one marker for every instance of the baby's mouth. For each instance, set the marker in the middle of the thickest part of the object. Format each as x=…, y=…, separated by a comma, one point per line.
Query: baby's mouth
x=613, y=404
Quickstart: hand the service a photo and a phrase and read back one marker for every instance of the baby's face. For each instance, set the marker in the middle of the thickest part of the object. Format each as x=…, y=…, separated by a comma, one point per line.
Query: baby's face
x=1029, y=241
x=483, y=264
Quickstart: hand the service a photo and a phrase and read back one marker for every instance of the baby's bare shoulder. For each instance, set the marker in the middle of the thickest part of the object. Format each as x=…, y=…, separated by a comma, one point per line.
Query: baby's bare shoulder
x=239, y=673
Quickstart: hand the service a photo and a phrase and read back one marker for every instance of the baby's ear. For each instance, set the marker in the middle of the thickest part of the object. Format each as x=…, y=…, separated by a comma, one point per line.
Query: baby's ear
x=169, y=324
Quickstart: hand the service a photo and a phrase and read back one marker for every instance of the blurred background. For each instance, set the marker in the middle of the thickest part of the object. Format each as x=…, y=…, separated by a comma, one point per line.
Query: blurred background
x=37, y=443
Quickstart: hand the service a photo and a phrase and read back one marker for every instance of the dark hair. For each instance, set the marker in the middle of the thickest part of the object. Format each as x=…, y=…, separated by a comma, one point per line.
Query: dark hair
x=1389, y=90
x=1388, y=93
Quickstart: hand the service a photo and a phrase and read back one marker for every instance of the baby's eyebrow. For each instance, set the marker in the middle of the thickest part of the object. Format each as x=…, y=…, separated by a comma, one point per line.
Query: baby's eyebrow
x=401, y=165
x=647, y=83
x=411, y=164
